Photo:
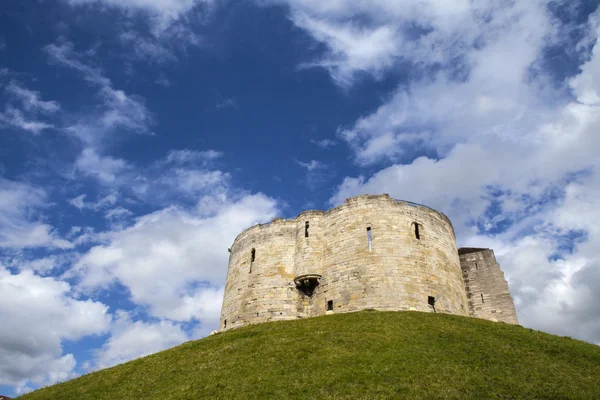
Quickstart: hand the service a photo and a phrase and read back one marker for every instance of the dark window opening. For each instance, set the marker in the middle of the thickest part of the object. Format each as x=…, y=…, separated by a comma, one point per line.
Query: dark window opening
x=306, y=229
x=476, y=266
x=417, y=234
x=369, y=237
x=252, y=258
x=330, y=305
x=225, y=324
x=431, y=302
x=482, y=300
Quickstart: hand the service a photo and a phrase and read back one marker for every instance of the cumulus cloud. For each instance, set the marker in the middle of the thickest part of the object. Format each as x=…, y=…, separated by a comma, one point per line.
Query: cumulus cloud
x=38, y=315
x=373, y=37
x=133, y=339
x=105, y=168
x=513, y=161
x=19, y=228
x=174, y=261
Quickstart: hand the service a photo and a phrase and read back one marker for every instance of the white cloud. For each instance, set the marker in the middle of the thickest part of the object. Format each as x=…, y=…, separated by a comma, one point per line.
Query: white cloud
x=19, y=206
x=195, y=181
x=31, y=99
x=586, y=85
x=119, y=110
x=352, y=48
x=24, y=107
x=118, y=213
x=42, y=266
x=78, y=202
x=324, y=143
x=130, y=340
x=174, y=261
x=188, y=156
x=373, y=37
x=14, y=117
x=104, y=203
x=38, y=315
x=105, y=168
x=311, y=165
x=500, y=129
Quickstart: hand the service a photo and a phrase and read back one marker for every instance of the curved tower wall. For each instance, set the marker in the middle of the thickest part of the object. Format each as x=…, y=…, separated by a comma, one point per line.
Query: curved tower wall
x=309, y=250
x=400, y=272
x=261, y=290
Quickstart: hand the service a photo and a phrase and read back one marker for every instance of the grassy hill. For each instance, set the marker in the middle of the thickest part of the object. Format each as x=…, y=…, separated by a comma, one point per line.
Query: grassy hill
x=365, y=355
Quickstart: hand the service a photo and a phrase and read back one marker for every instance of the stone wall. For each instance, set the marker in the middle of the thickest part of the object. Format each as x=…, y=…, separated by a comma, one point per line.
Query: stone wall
x=398, y=271
x=487, y=290
x=261, y=290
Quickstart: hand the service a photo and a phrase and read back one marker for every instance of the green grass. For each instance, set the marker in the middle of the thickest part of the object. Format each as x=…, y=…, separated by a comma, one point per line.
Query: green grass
x=365, y=355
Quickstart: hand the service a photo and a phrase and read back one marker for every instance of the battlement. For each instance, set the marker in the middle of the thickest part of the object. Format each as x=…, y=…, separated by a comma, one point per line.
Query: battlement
x=349, y=202
x=372, y=251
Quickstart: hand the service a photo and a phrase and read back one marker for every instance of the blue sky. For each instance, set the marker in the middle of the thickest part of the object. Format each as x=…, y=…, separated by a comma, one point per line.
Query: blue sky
x=138, y=137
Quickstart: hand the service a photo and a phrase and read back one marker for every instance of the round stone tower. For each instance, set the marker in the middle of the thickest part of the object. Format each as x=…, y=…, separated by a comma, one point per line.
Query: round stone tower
x=370, y=252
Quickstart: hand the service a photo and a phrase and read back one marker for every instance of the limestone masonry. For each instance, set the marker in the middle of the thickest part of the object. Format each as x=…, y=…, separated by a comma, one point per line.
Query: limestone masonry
x=372, y=252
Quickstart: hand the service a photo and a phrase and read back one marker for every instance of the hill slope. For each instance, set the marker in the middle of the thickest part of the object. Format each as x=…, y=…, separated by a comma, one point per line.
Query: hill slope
x=365, y=355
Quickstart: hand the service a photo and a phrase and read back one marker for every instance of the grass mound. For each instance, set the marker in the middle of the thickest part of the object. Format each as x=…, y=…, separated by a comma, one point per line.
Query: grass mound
x=365, y=355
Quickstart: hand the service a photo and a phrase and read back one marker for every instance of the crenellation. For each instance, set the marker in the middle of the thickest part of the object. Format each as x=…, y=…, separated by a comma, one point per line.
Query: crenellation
x=319, y=257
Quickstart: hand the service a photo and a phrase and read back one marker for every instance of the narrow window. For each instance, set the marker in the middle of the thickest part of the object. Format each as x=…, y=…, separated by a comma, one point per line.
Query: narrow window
x=431, y=302
x=482, y=300
x=306, y=229
x=417, y=235
x=225, y=324
x=253, y=255
x=369, y=237
x=330, y=305
x=476, y=266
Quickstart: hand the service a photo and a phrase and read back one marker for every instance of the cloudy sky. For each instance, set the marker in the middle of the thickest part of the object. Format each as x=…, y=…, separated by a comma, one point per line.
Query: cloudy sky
x=138, y=137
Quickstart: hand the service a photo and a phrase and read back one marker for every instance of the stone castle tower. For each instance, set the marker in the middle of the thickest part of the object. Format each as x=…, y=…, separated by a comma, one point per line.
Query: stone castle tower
x=370, y=252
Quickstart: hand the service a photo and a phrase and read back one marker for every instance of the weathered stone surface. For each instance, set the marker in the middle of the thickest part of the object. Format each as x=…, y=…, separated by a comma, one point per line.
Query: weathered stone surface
x=487, y=290
x=397, y=271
